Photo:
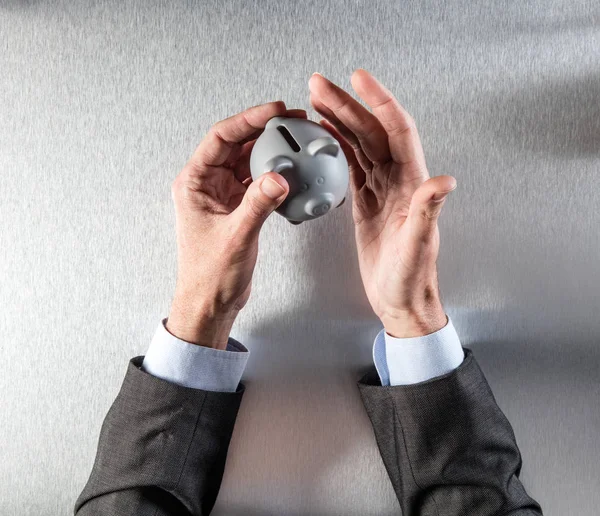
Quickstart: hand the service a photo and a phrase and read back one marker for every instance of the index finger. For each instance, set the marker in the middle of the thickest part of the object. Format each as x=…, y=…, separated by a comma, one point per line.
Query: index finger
x=236, y=130
x=365, y=127
x=404, y=141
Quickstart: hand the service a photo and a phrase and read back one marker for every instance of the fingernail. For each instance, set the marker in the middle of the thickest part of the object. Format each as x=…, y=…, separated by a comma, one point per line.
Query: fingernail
x=272, y=189
x=316, y=73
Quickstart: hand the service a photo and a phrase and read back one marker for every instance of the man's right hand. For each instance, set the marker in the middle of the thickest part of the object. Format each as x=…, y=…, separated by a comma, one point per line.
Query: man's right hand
x=219, y=213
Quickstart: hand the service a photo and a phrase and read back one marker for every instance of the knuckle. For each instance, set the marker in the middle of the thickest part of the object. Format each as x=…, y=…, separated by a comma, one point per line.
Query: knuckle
x=215, y=130
x=222, y=131
x=406, y=129
x=411, y=122
x=256, y=208
x=183, y=181
x=429, y=214
x=176, y=187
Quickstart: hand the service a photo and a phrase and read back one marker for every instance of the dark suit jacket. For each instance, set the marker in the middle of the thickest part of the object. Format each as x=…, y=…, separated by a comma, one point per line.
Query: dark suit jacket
x=448, y=449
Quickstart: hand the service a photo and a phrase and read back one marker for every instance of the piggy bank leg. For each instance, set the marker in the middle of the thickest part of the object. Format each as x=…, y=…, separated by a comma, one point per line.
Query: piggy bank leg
x=295, y=222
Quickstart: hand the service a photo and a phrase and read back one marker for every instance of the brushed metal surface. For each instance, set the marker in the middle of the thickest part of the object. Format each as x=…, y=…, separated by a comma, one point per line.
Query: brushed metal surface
x=101, y=103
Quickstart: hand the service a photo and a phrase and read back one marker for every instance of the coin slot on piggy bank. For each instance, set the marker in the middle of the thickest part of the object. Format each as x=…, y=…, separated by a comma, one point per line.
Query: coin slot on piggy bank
x=288, y=138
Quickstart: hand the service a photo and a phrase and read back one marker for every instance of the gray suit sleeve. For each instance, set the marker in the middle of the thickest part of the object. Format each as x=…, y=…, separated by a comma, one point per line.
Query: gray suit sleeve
x=447, y=447
x=162, y=449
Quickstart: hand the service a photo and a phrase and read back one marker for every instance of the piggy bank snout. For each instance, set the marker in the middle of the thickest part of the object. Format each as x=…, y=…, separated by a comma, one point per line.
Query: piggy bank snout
x=319, y=205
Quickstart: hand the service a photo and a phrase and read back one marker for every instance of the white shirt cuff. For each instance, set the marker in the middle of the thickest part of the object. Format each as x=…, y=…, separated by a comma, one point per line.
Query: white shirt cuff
x=198, y=367
x=417, y=359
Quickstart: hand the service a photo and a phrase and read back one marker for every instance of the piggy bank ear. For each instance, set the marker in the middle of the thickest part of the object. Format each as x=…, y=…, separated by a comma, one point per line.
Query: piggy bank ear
x=278, y=164
x=324, y=145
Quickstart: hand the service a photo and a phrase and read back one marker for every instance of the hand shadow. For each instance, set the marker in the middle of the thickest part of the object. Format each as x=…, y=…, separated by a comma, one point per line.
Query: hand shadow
x=302, y=433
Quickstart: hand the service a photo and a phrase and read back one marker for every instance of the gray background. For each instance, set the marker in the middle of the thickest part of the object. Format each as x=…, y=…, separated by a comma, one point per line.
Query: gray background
x=102, y=103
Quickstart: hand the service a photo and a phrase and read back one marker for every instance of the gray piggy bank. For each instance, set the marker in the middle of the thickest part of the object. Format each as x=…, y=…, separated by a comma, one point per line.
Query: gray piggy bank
x=310, y=159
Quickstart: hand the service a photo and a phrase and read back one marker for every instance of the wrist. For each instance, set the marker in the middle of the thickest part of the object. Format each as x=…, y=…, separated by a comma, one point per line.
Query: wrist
x=415, y=323
x=200, y=324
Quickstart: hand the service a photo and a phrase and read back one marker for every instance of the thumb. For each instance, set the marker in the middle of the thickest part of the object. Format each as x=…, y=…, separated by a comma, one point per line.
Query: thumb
x=427, y=202
x=262, y=197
